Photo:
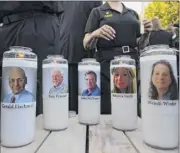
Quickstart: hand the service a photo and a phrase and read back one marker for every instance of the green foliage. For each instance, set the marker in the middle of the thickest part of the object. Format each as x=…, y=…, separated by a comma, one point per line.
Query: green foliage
x=167, y=12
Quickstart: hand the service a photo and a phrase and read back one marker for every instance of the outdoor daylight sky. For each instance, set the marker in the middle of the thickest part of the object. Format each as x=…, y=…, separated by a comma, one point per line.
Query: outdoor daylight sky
x=135, y=5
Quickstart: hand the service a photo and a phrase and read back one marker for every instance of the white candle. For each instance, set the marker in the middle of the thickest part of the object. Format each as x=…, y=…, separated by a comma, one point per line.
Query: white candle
x=55, y=103
x=18, y=119
x=124, y=105
x=55, y=112
x=159, y=117
x=88, y=106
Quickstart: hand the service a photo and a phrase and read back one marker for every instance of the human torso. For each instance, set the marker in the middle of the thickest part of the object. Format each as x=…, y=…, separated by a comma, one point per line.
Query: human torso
x=125, y=24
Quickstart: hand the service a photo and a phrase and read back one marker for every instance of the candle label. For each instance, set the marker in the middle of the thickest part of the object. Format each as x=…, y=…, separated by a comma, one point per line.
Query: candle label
x=159, y=80
x=18, y=83
x=163, y=103
x=55, y=81
x=89, y=82
x=123, y=80
x=123, y=83
x=17, y=106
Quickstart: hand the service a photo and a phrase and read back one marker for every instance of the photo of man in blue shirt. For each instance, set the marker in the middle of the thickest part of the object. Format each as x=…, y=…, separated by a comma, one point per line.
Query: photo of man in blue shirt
x=91, y=83
x=17, y=82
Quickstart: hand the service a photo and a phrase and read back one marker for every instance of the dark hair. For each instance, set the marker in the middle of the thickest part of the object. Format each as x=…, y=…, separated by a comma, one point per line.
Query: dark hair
x=91, y=72
x=172, y=90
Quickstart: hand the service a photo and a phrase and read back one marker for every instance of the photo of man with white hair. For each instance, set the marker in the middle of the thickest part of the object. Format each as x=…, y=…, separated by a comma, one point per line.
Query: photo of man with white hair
x=58, y=84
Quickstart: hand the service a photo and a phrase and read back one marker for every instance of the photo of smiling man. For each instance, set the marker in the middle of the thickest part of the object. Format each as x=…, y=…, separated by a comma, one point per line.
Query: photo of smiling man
x=59, y=86
x=92, y=88
x=17, y=82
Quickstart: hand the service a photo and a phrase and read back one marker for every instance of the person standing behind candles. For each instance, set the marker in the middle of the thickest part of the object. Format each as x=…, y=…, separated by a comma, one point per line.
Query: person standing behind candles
x=113, y=29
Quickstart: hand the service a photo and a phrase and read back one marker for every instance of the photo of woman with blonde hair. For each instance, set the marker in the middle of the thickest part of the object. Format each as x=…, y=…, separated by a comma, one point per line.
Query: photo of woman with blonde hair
x=123, y=80
x=163, y=85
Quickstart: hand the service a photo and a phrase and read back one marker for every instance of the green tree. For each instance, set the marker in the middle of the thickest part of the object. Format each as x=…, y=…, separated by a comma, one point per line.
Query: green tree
x=167, y=12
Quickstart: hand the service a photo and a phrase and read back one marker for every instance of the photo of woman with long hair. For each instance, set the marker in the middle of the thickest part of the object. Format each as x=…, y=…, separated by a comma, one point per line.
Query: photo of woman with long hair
x=163, y=85
x=123, y=80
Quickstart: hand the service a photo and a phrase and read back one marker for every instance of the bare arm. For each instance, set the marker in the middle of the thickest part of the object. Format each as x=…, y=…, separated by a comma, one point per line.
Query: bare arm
x=90, y=40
